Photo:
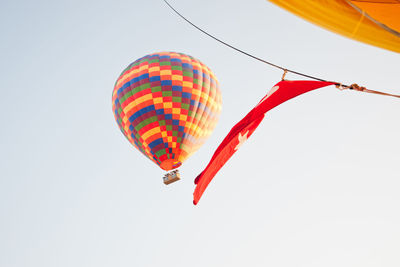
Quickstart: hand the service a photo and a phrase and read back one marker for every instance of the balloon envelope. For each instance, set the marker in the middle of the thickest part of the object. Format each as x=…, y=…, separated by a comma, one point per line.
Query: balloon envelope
x=166, y=104
x=373, y=22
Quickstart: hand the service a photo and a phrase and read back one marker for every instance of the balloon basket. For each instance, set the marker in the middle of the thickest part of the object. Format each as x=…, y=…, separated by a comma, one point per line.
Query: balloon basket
x=171, y=177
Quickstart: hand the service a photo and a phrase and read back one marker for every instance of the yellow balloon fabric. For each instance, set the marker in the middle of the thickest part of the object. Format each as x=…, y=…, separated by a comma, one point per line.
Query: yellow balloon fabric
x=373, y=22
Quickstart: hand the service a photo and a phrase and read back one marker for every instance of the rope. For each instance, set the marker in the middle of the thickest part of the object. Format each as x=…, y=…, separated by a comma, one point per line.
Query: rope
x=356, y=87
x=338, y=85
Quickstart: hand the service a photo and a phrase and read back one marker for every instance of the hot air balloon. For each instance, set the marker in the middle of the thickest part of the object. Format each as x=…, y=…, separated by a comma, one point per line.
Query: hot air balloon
x=372, y=22
x=167, y=104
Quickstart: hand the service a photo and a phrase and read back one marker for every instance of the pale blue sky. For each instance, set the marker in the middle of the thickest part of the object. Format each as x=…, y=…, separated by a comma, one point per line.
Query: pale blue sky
x=316, y=185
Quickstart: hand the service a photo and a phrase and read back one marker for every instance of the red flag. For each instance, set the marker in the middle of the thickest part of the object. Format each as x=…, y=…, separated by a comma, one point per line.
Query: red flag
x=281, y=92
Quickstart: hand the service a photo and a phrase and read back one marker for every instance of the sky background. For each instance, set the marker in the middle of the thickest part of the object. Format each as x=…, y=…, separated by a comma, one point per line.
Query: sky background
x=316, y=185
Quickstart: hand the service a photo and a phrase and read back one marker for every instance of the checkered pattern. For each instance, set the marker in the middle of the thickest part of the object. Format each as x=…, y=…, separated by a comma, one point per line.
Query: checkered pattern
x=166, y=104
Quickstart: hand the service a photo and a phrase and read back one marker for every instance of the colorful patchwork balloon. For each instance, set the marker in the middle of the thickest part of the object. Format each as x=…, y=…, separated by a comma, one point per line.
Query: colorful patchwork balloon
x=166, y=104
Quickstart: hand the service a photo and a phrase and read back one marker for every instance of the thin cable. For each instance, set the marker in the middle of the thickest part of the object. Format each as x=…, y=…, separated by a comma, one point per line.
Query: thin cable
x=241, y=51
x=338, y=85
